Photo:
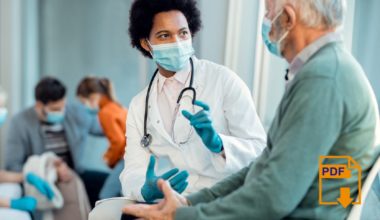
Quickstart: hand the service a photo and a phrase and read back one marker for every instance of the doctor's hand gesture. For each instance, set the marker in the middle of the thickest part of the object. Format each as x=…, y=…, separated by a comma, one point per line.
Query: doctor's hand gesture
x=150, y=190
x=202, y=123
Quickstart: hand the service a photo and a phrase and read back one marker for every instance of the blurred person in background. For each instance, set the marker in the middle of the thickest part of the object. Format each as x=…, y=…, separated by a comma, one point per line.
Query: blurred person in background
x=14, y=205
x=97, y=94
x=55, y=126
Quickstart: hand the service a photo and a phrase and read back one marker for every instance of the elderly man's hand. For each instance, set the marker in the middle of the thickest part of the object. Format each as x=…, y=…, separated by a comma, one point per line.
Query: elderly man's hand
x=165, y=209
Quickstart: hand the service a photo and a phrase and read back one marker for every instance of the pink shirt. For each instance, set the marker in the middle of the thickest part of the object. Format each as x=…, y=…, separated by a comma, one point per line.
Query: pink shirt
x=168, y=92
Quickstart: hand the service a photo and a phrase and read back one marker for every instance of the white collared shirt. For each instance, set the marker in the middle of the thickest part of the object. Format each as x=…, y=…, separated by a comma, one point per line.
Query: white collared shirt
x=168, y=92
x=304, y=56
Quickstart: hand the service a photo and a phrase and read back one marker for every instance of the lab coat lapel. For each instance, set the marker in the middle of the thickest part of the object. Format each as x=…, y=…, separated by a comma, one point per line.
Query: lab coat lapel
x=199, y=79
x=182, y=124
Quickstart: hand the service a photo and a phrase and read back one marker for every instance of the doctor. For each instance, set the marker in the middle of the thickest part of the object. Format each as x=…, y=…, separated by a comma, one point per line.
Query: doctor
x=195, y=116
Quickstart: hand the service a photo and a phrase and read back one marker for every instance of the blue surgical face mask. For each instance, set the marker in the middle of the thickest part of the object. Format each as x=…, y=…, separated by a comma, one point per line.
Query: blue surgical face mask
x=55, y=117
x=174, y=56
x=273, y=47
x=3, y=115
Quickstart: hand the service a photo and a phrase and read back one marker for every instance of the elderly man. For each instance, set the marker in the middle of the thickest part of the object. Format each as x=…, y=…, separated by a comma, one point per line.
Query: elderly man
x=328, y=108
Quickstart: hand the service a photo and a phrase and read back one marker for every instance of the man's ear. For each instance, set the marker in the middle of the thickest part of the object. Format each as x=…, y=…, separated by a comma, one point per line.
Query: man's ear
x=291, y=19
x=40, y=109
x=144, y=44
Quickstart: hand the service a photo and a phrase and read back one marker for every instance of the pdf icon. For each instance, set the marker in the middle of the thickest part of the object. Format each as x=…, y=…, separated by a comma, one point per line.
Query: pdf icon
x=339, y=170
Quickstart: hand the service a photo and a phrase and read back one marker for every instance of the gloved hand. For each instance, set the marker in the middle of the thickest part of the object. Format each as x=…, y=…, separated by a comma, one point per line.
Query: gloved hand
x=150, y=190
x=25, y=204
x=202, y=123
x=41, y=185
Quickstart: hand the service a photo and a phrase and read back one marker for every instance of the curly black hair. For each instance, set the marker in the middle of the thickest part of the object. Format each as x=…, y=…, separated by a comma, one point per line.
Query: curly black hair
x=143, y=11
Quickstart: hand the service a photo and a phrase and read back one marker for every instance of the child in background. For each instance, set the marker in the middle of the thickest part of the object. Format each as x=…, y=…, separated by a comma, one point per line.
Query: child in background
x=98, y=96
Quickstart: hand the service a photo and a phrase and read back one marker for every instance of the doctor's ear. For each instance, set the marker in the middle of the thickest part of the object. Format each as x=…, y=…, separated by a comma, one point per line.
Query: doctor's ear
x=144, y=44
x=291, y=19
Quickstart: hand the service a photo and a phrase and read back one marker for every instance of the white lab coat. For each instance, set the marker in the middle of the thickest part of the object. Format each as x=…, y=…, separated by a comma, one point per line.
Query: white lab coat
x=234, y=118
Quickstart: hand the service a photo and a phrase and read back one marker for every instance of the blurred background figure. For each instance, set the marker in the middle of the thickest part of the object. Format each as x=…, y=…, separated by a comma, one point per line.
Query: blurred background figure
x=98, y=96
x=12, y=205
x=3, y=108
x=52, y=125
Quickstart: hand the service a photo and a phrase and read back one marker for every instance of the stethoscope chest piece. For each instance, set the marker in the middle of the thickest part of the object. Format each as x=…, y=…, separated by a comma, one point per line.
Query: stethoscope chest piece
x=146, y=140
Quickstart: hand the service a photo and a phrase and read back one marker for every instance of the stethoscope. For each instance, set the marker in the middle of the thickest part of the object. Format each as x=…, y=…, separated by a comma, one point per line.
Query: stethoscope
x=146, y=140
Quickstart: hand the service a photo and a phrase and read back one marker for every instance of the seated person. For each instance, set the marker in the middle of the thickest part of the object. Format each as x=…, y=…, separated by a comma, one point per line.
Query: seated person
x=328, y=109
x=52, y=125
x=98, y=96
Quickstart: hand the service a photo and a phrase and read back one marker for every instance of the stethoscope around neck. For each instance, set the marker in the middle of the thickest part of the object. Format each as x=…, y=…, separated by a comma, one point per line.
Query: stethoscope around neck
x=146, y=140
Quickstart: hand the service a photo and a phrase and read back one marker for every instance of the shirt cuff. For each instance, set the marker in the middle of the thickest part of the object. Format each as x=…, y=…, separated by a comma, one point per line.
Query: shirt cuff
x=221, y=161
x=136, y=195
x=139, y=197
x=195, y=198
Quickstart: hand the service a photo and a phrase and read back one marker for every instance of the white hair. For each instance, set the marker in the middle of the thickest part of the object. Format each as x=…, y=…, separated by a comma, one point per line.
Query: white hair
x=316, y=13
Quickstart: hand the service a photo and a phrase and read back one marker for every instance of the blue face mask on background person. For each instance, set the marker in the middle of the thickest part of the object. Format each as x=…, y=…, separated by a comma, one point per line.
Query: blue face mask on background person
x=55, y=117
x=3, y=115
x=273, y=47
x=174, y=56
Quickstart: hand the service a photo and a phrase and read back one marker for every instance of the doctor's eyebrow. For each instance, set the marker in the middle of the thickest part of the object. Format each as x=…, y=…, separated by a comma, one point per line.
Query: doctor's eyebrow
x=168, y=32
x=183, y=29
x=161, y=32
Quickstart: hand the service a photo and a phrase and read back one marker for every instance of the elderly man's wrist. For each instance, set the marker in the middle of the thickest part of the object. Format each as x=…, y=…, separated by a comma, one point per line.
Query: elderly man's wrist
x=183, y=201
x=187, y=202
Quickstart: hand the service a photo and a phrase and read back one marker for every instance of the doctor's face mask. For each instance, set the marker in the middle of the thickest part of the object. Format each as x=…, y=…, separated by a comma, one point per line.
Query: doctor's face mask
x=170, y=41
x=172, y=56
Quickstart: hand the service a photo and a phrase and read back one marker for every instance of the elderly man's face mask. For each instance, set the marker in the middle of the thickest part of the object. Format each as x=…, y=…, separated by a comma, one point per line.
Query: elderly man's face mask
x=275, y=47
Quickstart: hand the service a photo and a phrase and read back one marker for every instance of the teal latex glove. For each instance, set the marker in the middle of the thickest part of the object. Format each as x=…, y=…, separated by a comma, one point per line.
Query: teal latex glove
x=41, y=185
x=25, y=204
x=150, y=190
x=202, y=123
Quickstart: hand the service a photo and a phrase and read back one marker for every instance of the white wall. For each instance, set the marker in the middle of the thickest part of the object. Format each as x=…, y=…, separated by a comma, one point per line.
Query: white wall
x=366, y=42
x=211, y=40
